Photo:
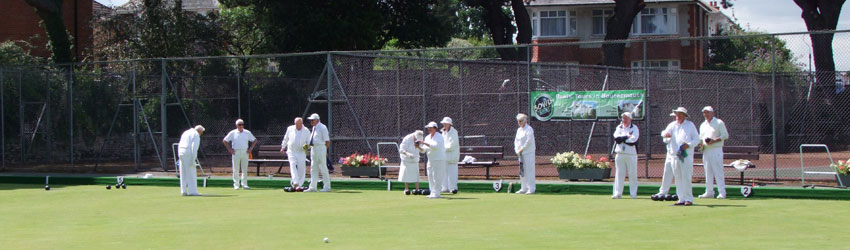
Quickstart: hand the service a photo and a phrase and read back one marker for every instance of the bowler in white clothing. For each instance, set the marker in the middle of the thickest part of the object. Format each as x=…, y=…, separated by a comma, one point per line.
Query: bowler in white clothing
x=452, y=155
x=712, y=134
x=237, y=142
x=684, y=137
x=626, y=137
x=435, y=147
x=524, y=147
x=187, y=152
x=320, y=140
x=409, y=151
x=294, y=143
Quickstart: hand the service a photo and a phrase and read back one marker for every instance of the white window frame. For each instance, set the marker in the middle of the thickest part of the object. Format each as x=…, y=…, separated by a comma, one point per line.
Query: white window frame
x=570, y=22
x=657, y=64
x=605, y=15
x=670, y=14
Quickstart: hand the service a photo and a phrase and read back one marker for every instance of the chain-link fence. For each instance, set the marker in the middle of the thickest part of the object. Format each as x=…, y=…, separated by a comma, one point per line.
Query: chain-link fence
x=128, y=114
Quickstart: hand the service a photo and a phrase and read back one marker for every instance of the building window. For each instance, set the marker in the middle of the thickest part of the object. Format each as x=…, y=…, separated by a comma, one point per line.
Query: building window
x=655, y=21
x=600, y=21
x=657, y=64
x=554, y=23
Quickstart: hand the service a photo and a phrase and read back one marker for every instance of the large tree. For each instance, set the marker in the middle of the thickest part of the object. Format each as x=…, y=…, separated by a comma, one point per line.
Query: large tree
x=822, y=15
x=50, y=12
x=500, y=20
x=618, y=28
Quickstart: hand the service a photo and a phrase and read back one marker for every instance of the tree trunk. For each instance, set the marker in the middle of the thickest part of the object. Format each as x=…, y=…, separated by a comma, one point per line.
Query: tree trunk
x=500, y=27
x=523, y=23
x=50, y=12
x=828, y=106
x=618, y=28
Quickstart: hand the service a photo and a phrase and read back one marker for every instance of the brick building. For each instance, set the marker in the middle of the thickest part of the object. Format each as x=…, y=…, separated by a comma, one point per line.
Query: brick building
x=20, y=22
x=560, y=21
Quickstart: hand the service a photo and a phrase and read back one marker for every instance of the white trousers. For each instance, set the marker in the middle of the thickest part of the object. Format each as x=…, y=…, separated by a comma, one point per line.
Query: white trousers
x=451, y=176
x=529, y=182
x=240, y=166
x=667, y=178
x=436, y=176
x=712, y=160
x=318, y=163
x=625, y=162
x=683, y=171
x=188, y=175
x=297, y=168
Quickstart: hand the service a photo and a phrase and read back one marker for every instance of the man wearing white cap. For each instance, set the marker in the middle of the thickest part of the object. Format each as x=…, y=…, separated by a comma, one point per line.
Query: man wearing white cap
x=626, y=137
x=236, y=143
x=294, y=143
x=667, y=177
x=187, y=151
x=409, y=151
x=319, y=141
x=434, y=147
x=712, y=134
x=684, y=137
x=524, y=147
x=452, y=155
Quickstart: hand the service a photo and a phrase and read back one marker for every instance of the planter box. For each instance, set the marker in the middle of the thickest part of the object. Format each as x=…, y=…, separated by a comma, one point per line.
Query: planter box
x=845, y=180
x=589, y=174
x=362, y=171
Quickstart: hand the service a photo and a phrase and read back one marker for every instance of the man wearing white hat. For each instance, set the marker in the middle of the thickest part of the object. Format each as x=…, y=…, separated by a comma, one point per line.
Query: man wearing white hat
x=294, y=143
x=626, y=137
x=409, y=151
x=236, y=143
x=434, y=147
x=712, y=134
x=667, y=177
x=452, y=155
x=524, y=147
x=684, y=138
x=187, y=151
x=319, y=141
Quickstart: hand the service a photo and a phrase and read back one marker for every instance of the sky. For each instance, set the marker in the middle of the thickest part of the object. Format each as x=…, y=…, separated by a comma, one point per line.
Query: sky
x=769, y=16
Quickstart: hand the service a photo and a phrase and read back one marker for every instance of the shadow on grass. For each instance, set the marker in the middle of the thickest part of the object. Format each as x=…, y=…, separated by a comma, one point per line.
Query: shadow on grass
x=459, y=198
x=216, y=195
x=710, y=206
x=346, y=192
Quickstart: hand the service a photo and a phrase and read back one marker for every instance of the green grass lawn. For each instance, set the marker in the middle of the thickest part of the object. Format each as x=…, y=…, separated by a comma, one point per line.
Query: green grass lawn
x=151, y=217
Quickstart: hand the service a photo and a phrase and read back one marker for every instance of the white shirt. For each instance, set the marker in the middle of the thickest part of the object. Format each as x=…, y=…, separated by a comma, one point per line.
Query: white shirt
x=239, y=140
x=632, y=132
x=685, y=133
x=524, y=140
x=320, y=134
x=452, y=145
x=407, y=150
x=434, y=147
x=295, y=139
x=190, y=141
x=713, y=129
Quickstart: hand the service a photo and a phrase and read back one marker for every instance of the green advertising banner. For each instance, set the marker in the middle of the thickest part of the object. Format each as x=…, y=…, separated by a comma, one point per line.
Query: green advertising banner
x=586, y=105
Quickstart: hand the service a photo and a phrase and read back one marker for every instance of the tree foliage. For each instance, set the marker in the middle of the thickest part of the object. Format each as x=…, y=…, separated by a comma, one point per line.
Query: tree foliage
x=750, y=54
x=50, y=12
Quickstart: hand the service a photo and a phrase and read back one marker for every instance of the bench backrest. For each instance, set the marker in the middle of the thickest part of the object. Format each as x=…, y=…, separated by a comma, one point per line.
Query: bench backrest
x=269, y=152
x=483, y=152
x=737, y=152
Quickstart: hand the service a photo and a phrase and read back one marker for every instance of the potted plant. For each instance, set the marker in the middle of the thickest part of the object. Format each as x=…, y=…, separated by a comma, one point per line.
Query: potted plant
x=572, y=166
x=842, y=169
x=361, y=165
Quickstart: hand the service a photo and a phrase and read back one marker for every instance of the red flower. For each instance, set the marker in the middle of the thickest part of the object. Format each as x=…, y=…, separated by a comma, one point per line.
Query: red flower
x=589, y=157
x=603, y=159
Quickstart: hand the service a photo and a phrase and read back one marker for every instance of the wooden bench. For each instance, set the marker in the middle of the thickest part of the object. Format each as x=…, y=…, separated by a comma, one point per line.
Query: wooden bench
x=485, y=156
x=733, y=153
x=268, y=154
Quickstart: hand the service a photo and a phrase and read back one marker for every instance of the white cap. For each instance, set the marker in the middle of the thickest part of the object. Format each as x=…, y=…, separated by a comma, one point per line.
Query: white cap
x=200, y=128
x=627, y=114
x=446, y=120
x=681, y=110
x=708, y=108
x=419, y=135
x=673, y=114
x=239, y=121
x=431, y=125
x=314, y=116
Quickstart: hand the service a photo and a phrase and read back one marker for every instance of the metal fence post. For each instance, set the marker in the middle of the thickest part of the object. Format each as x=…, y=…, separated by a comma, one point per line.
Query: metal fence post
x=329, y=73
x=163, y=116
x=773, y=102
x=71, y=110
x=238, y=93
x=646, y=111
x=136, y=153
x=2, y=121
x=21, y=114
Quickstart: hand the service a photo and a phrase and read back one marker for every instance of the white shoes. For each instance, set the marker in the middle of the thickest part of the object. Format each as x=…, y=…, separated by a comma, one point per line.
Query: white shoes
x=235, y=187
x=660, y=193
x=616, y=196
x=529, y=192
x=706, y=195
x=722, y=196
x=311, y=190
x=325, y=190
x=246, y=187
x=521, y=192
